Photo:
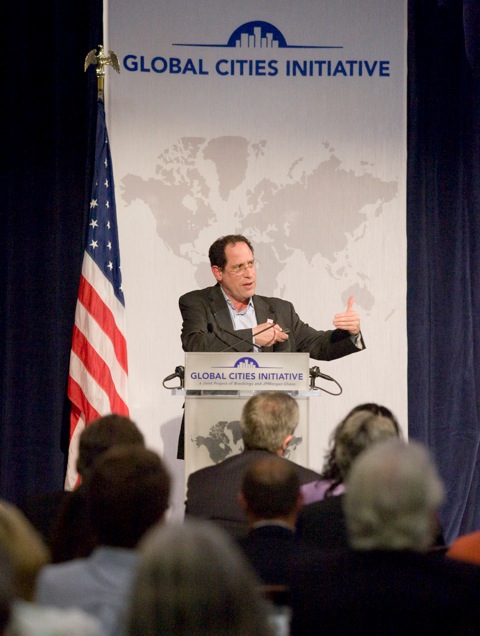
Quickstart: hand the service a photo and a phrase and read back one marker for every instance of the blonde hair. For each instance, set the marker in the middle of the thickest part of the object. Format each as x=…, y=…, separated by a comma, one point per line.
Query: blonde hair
x=25, y=548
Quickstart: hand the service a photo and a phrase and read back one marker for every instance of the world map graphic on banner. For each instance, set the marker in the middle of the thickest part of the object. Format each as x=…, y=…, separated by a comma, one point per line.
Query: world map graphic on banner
x=198, y=182
x=284, y=122
x=225, y=439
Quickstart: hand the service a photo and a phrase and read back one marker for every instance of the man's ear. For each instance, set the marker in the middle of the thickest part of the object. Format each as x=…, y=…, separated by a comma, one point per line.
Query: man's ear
x=217, y=272
x=285, y=443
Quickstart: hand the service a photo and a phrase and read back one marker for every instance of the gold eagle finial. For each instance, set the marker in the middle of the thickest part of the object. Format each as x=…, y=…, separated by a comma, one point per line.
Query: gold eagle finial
x=100, y=60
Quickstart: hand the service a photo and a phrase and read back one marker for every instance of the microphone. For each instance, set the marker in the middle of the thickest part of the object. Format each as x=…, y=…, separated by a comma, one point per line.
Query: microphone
x=211, y=329
x=179, y=373
x=250, y=338
x=316, y=373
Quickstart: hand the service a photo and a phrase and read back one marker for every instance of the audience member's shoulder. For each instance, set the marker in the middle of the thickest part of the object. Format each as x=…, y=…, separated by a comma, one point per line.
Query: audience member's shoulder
x=57, y=573
x=240, y=461
x=311, y=560
x=206, y=471
x=198, y=474
x=305, y=474
x=324, y=506
x=30, y=619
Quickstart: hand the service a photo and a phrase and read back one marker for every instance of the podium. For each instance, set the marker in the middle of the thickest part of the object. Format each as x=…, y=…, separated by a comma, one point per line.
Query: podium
x=217, y=385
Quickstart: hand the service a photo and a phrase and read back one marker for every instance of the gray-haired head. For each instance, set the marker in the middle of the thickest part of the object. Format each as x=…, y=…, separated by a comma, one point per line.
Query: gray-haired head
x=393, y=495
x=193, y=580
x=268, y=419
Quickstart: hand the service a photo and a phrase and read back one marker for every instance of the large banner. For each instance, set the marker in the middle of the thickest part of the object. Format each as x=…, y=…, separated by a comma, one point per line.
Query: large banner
x=285, y=122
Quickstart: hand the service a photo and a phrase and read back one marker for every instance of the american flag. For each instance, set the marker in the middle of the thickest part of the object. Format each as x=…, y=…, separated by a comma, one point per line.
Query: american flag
x=97, y=383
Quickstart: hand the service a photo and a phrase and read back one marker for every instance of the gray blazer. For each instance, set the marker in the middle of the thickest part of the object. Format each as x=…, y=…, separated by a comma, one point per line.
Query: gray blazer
x=207, y=326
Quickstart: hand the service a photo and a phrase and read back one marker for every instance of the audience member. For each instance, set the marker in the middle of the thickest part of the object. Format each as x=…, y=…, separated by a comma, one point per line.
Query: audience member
x=72, y=536
x=331, y=479
x=323, y=522
x=270, y=496
x=25, y=548
x=386, y=584
x=25, y=552
x=59, y=516
x=267, y=423
x=127, y=493
x=102, y=434
x=192, y=580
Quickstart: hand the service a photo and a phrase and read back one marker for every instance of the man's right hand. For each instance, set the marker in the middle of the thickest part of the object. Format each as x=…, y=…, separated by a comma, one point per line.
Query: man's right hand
x=269, y=337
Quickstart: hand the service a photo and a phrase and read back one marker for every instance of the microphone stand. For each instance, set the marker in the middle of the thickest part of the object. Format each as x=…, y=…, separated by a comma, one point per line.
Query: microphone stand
x=316, y=373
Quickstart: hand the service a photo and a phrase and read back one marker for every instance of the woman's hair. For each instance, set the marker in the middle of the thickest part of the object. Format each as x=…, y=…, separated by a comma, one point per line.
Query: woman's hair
x=331, y=470
x=192, y=580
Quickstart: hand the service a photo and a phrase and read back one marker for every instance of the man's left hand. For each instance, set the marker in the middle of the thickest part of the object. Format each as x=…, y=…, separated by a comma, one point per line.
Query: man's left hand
x=349, y=320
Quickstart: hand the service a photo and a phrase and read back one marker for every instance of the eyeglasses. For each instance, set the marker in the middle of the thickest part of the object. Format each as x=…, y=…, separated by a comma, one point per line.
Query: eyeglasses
x=239, y=270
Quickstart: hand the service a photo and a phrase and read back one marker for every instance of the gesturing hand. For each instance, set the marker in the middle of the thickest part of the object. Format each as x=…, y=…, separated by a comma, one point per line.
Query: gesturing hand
x=349, y=320
x=269, y=337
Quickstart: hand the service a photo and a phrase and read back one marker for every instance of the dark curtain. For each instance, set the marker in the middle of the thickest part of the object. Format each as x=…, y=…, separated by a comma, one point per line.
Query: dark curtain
x=443, y=234
x=48, y=119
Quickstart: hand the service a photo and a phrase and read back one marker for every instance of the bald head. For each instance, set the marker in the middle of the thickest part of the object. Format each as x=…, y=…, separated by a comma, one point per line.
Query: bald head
x=271, y=490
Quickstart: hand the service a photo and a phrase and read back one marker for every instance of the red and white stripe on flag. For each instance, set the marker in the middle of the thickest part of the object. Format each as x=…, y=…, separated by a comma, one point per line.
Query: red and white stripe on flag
x=97, y=383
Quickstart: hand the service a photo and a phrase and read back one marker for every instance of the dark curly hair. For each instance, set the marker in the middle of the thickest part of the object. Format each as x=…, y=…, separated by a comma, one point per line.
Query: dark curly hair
x=216, y=253
x=331, y=470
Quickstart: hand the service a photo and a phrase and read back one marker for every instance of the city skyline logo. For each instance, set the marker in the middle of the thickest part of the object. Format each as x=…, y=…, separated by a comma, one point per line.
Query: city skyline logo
x=257, y=34
x=255, y=49
x=245, y=363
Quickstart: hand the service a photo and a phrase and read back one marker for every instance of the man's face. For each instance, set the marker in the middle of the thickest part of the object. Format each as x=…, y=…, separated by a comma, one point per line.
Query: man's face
x=238, y=285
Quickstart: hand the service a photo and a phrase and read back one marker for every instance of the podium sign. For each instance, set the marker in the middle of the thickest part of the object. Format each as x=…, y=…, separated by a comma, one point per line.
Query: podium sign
x=232, y=371
x=217, y=387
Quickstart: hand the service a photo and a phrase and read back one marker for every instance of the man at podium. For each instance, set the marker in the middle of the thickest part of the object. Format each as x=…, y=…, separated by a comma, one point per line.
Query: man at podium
x=230, y=317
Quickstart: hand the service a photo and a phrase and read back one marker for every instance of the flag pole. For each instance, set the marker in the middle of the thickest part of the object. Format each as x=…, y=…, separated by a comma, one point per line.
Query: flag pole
x=100, y=60
x=98, y=372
